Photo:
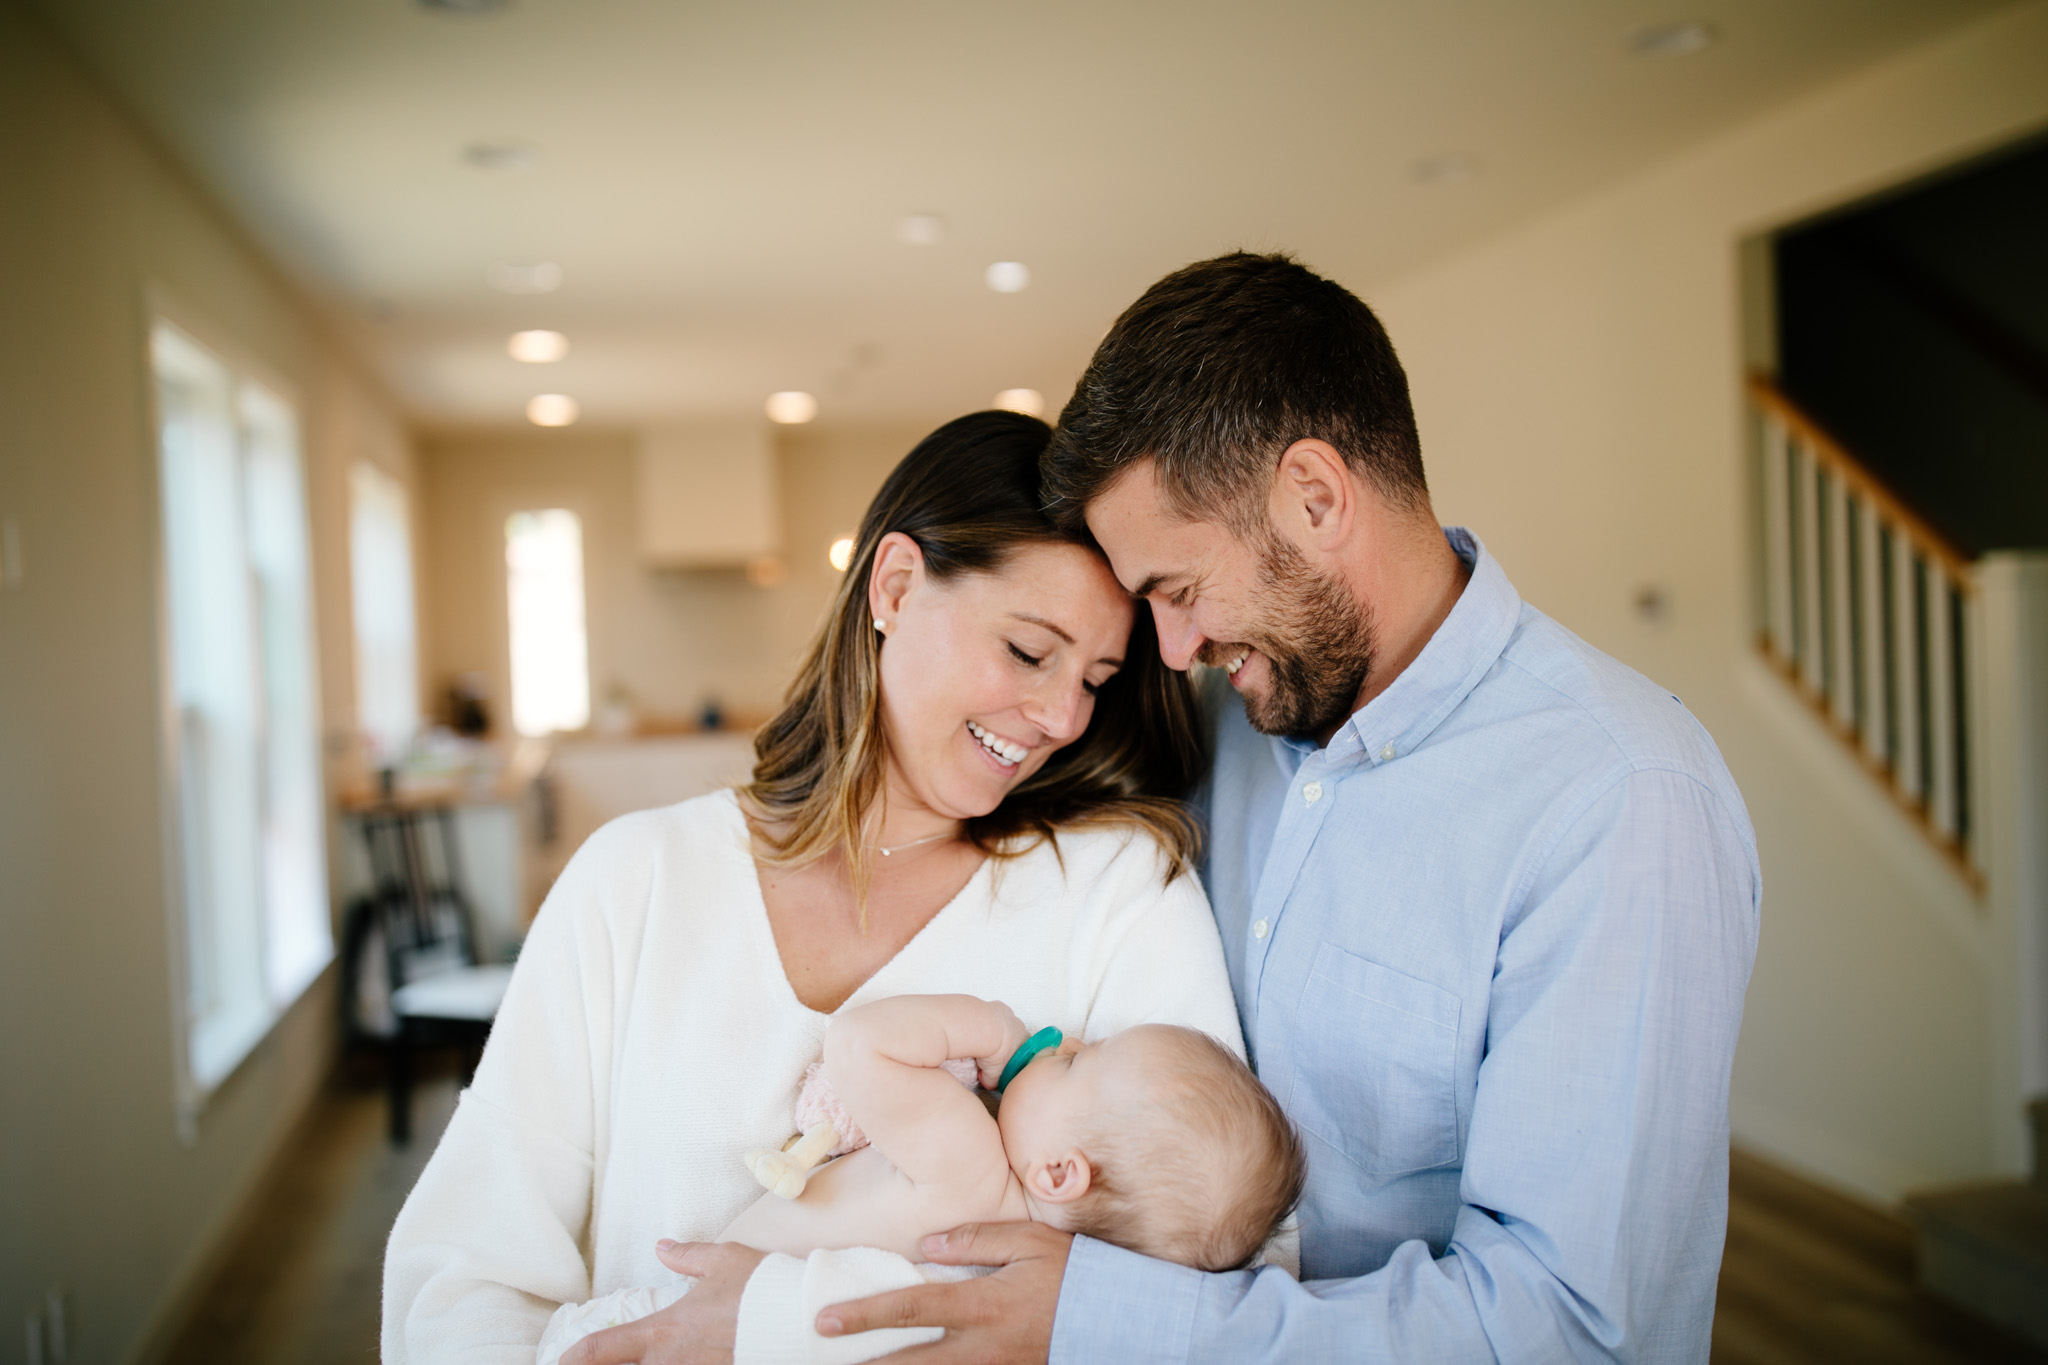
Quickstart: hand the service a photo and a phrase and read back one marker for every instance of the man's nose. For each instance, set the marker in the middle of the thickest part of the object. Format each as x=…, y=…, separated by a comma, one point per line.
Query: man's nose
x=1179, y=641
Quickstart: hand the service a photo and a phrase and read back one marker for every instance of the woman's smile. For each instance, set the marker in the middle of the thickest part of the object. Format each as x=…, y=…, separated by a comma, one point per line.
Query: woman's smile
x=1005, y=753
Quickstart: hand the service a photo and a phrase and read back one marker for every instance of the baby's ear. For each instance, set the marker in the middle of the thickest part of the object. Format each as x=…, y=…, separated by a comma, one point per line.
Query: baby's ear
x=1063, y=1180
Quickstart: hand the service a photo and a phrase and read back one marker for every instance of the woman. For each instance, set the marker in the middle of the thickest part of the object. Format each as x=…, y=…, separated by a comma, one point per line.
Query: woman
x=969, y=789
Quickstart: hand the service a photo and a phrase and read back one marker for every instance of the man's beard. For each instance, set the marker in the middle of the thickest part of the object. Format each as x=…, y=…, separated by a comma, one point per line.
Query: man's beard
x=1318, y=641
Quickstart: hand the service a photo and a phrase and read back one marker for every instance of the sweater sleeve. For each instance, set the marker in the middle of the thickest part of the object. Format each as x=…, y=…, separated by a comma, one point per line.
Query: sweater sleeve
x=493, y=1237
x=1155, y=960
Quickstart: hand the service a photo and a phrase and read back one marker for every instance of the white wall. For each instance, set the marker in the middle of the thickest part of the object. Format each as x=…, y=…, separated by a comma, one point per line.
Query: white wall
x=96, y=1191
x=1578, y=383
x=671, y=637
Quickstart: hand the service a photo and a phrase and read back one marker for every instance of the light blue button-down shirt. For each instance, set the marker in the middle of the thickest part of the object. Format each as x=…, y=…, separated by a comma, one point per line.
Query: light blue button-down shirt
x=1490, y=945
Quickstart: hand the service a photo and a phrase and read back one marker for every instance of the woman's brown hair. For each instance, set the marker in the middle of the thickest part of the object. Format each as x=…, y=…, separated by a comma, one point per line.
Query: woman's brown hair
x=969, y=496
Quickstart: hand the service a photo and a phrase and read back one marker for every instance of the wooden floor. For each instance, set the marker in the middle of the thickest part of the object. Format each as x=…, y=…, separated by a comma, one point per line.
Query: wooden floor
x=1809, y=1277
x=303, y=1285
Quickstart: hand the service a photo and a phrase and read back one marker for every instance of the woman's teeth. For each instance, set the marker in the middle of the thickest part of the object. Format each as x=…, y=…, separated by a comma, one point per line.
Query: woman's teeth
x=1002, y=748
x=1237, y=663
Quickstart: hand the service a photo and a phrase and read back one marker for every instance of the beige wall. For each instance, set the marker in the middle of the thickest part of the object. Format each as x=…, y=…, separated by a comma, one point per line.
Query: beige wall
x=96, y=1190
x=671, y=638
x=1578, y=382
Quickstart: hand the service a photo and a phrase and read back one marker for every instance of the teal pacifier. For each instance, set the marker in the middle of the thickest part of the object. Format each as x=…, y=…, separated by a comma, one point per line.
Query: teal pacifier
x=1035, y=1044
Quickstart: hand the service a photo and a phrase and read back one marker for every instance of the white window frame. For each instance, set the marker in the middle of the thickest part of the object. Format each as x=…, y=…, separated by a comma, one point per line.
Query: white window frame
x=228, y=1043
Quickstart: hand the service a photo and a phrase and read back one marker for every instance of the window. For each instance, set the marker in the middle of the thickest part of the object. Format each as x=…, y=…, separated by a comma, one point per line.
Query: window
x=380, y=577
x=550, y=654
x=242, y=708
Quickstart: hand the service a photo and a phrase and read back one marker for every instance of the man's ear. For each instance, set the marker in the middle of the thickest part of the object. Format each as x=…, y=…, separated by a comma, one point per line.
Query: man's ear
x=1062, y=1180
x=1314, y=494
x=899, y=568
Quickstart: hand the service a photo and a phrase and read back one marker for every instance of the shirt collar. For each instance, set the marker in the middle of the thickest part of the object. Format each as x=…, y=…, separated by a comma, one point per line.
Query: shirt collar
x=1461, y=652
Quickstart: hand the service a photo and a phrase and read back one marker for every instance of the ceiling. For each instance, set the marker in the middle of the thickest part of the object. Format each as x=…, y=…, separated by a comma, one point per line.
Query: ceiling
x=721, y=182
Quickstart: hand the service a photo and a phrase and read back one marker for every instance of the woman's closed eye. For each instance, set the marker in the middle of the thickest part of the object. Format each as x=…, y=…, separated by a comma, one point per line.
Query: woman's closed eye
x=1038, y=661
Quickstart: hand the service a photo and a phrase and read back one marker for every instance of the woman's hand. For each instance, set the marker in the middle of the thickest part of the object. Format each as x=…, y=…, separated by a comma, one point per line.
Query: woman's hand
x=696, y=1329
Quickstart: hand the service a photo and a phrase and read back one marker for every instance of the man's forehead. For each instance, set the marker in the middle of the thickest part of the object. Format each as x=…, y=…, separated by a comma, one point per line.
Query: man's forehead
x=1149, y=539
x=1136, y=504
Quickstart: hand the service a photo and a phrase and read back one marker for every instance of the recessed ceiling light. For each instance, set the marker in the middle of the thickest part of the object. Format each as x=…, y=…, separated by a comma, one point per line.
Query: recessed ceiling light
x=499, y=156
x=1008, y=277
x=841, y=553
x=537, y=347
x=1030, y=402
x=791, y=407
x=1679, y=38
x=525, y=277
x=1445, y=168
x=552, y=410
x=921, y=229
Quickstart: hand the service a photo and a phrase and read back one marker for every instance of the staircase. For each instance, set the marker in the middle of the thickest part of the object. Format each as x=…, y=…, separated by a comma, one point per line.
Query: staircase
x=1874, y=618
x=1899, y=438
x=1929, y=666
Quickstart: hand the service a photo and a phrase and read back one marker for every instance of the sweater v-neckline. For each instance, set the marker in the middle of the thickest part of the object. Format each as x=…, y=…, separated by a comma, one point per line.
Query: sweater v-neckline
x=765, y=931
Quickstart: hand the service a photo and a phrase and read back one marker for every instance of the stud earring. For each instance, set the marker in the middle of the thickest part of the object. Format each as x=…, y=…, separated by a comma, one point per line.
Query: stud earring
x=882, y=626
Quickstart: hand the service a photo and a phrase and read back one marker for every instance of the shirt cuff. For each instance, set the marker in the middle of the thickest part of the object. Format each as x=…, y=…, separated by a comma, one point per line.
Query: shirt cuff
x=1118, y=1305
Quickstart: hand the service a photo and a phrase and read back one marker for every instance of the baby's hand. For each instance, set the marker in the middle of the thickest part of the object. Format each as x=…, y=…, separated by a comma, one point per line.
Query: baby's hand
x=1014, y=1034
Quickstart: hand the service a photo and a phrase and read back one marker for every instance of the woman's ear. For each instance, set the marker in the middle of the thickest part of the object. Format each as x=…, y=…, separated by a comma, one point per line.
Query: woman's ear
x=1062, y=1180
x=899, y=568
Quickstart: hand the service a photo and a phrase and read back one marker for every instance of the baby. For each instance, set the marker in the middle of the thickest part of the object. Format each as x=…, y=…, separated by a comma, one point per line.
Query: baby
x=1157, y=1139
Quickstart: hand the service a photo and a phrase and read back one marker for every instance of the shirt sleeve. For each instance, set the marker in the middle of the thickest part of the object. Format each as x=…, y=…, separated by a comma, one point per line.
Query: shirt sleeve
x=1595, y=1174
x=492, y=1238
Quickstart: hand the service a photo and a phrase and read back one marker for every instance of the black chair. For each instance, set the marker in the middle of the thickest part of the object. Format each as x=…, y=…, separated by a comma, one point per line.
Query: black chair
x=413, y=976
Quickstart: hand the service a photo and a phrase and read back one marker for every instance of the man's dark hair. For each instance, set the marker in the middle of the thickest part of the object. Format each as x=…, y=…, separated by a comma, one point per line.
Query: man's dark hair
x=1215, y=371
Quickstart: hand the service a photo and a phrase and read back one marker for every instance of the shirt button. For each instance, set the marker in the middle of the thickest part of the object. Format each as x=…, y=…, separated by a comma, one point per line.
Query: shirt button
x=1387, y=754
x=1259, y=929
x=1312, y=793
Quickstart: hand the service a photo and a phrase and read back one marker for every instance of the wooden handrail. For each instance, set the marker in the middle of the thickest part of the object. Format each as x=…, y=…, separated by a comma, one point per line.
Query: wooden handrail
x=1859, y=636
x=1830, y=452
x=1947, y=845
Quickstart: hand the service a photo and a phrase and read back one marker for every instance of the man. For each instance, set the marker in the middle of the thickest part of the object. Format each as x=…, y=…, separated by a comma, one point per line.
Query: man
x=1489, y=898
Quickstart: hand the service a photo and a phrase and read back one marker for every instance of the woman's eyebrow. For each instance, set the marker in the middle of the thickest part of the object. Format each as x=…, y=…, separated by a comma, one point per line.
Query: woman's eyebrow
x=1040, y=621
x=1029, y=619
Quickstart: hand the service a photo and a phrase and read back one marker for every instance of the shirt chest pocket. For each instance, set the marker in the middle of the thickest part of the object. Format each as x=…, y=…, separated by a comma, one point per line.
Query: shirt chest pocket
x=1375, y=1065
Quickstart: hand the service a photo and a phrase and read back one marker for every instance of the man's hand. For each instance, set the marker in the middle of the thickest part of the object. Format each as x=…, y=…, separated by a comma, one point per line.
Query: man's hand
x=999, y=1319
x=696, y=1329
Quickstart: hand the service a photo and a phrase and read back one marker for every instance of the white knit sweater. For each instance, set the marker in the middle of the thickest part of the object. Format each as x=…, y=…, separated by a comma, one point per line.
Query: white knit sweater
x=650, y=1037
